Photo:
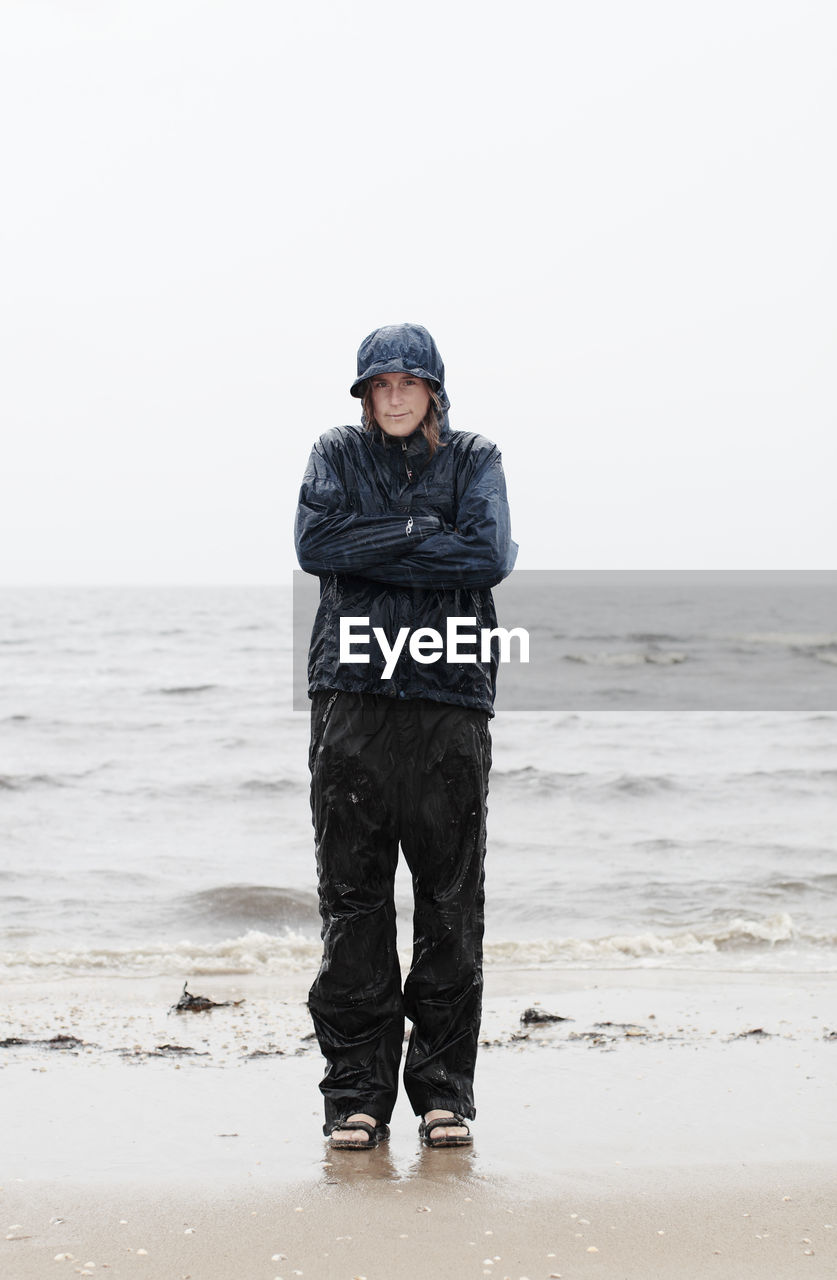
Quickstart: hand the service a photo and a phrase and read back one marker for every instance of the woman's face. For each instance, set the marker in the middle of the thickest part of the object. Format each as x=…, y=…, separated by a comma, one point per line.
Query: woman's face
x=399, y=402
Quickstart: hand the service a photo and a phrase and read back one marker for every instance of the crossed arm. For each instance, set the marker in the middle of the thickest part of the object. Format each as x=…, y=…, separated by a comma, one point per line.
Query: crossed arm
x=404, y=550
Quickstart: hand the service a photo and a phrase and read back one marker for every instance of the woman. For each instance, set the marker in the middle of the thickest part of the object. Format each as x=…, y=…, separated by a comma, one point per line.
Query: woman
x=407, y=525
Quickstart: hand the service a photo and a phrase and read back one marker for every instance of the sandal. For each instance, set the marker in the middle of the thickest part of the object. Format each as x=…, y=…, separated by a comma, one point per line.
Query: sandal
x=445, y=1140
x=377, y=1133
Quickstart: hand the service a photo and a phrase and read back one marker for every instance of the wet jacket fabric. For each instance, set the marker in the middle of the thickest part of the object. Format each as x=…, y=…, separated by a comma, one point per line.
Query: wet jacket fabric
x=405, y=540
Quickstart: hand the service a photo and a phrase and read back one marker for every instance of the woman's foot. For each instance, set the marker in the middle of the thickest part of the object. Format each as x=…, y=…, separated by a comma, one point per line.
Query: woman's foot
x=355, y=1137
x=438, y=1135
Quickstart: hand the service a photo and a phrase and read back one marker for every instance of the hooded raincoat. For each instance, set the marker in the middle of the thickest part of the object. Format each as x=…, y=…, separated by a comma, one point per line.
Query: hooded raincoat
x=401, y=538
x=404, y=539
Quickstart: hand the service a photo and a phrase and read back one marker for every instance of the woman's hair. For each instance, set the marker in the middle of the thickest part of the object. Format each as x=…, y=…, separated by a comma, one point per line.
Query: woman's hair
x=430, y=425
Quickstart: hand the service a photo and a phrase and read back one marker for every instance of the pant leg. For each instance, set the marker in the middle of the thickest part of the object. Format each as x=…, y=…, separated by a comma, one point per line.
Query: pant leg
x=355, y=1001
x=443, y=839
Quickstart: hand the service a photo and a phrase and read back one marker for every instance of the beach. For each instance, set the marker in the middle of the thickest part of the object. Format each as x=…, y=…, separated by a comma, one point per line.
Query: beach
x=660, y=882
x=625, y=253
x=670, y=1124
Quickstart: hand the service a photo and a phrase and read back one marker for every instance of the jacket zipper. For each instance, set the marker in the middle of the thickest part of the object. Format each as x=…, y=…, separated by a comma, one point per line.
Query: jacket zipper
x=406, y=463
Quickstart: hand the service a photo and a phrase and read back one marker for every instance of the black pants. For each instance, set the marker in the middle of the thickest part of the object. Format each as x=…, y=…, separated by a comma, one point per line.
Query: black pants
x=384, y=772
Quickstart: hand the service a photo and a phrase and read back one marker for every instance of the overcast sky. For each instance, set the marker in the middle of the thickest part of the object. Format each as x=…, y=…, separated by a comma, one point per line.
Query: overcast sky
x=616, y=217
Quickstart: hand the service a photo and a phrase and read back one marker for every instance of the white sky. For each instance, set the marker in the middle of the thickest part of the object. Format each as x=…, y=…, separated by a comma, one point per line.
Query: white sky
x=615, y=216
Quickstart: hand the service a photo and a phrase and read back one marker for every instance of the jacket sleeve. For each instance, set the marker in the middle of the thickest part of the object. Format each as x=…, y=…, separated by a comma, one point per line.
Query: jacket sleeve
x=330, y=538
x=478, y=552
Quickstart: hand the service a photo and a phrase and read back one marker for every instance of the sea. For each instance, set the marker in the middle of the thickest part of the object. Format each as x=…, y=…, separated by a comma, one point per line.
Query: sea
x=155, y=818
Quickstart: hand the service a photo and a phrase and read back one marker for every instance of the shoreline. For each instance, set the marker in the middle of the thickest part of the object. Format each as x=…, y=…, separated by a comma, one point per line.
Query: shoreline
x=684, y=1144
x=266, y=1015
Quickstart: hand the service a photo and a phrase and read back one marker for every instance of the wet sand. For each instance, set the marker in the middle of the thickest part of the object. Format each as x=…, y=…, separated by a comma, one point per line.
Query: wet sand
x=674, y=1124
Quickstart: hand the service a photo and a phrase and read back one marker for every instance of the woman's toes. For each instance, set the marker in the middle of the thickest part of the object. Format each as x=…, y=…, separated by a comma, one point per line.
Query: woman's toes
x=355, y=1135
x=445, y=1131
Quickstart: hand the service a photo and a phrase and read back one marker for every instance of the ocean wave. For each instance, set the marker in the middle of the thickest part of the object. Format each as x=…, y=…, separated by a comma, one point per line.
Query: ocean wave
x=295, y=951
x=633, y=658
x=737, y=935
x=791, y=777
x=254, y=952
x=824, y=885
x=654, y=637
x=791, y=639
x=177, y=690
x=530, y=778
x=26, y=781
x=210, y=788
x=242, y=905
x=23, y=781
x=275, y=786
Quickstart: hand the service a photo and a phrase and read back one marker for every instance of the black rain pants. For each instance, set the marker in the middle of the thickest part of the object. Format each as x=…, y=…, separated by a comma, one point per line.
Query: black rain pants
x=388, y=771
